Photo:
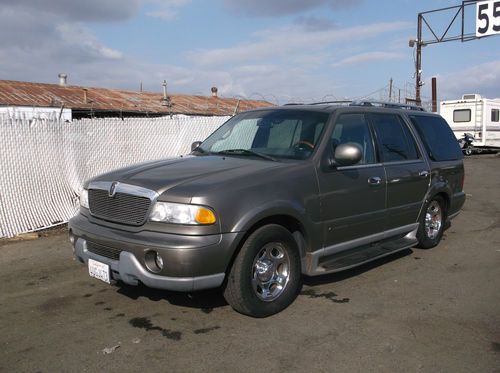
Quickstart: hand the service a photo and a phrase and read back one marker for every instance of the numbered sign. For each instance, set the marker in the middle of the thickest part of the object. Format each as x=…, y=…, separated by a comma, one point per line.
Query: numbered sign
x=487, y=18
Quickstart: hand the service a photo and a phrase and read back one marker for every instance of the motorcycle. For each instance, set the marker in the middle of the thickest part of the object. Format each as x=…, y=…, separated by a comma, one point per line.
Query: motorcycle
x=466, y=143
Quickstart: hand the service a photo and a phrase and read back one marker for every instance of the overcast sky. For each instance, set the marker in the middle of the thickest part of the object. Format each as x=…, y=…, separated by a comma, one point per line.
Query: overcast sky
x=280, y=50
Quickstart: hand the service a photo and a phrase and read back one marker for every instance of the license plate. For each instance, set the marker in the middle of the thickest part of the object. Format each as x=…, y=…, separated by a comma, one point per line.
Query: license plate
x=99, y=270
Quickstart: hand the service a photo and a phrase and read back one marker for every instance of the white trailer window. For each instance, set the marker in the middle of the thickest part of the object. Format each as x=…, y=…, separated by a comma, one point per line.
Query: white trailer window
x=495, y=115
x=461, y=115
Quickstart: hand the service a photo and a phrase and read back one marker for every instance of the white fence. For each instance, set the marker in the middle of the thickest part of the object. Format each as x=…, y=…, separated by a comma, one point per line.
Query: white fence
x=44, y=162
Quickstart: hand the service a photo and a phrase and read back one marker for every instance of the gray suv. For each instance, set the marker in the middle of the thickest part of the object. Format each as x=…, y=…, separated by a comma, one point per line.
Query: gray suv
x=272, y=195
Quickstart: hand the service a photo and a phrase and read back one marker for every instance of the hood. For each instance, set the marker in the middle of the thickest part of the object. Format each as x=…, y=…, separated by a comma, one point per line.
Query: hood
x=166, y=174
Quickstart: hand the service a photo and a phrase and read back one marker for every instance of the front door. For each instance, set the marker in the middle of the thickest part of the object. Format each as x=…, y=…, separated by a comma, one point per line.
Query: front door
x=353, y=198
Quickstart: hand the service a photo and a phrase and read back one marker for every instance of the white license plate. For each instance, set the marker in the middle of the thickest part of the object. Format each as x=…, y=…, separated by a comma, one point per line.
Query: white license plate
x=99, y=270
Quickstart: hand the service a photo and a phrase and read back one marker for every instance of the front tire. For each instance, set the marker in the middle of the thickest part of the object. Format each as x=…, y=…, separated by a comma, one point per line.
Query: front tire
x=265, y=277
x=431, y=227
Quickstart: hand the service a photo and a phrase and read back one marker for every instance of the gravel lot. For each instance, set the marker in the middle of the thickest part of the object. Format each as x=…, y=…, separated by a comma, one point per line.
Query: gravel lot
x=432, y=310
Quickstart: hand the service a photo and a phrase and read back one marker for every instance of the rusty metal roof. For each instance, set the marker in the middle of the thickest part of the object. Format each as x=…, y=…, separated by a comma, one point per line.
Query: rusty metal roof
x=16, y=93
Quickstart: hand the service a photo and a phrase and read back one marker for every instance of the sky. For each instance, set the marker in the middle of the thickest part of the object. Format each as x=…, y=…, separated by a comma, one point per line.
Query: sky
x=278, y=50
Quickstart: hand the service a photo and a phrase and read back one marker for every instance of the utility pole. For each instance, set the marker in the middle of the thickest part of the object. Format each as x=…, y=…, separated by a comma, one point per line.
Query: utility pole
x=434, y=95
x=418, y=62
x=390, y=90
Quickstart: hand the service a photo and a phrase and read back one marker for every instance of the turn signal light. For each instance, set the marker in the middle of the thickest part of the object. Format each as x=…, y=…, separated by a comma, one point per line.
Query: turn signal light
x=204, y=216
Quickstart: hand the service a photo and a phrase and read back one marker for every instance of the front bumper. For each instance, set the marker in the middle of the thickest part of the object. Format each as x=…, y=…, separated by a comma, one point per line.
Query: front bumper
x=190, y=262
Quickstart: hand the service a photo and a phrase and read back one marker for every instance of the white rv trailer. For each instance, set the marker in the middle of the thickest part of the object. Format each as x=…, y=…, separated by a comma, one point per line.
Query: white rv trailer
x=476, y=115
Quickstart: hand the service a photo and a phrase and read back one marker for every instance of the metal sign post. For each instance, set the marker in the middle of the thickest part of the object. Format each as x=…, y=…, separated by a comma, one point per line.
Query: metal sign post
x=487, y=16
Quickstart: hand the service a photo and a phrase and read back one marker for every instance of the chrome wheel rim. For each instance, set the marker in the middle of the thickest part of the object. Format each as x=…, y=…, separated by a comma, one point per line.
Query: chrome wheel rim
x=270, y=271
x=433, y=220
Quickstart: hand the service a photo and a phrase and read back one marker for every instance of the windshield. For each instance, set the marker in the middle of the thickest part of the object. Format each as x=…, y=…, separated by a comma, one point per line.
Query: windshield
x=276, y=133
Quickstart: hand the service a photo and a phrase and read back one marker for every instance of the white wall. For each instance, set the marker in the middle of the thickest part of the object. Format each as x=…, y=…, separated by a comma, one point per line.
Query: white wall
x=43, y=163
x=29, y=113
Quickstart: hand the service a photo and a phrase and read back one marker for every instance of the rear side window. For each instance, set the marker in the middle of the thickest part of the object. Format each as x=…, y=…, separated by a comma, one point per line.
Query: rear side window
x=461, y=115
x=439, y=141
x=395, y=140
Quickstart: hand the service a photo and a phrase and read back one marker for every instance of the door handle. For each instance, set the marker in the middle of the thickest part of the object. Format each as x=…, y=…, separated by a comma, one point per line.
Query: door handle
x=423, y=173
x=374, y=180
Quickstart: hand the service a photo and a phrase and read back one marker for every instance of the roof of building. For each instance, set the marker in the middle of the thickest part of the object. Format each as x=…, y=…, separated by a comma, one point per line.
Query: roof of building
x=17, y=93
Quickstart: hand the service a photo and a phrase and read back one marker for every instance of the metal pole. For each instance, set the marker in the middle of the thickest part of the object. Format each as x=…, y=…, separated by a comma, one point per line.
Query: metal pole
x=463, y=20
x=418, y=64
x=390, y=90
x=434, y=95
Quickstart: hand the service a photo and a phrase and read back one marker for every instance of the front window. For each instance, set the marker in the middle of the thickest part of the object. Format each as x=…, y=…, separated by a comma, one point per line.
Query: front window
x=290, y=134
x=353, y=128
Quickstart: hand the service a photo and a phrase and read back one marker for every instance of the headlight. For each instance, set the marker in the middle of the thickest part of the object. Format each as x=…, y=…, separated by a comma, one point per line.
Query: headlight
x=84, y=198
x=178, y=213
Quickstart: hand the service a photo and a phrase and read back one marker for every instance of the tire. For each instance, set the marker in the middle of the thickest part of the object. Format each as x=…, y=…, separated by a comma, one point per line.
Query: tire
x=468, y=150
x=432, y=222
x=265, y=277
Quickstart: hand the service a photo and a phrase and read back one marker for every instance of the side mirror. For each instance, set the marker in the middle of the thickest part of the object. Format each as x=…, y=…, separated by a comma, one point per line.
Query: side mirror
x=194, y=145
x=347, y=154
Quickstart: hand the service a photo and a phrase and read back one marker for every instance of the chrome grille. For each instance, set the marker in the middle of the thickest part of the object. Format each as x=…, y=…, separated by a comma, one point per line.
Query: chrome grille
x=121, y=208
x=106, y=251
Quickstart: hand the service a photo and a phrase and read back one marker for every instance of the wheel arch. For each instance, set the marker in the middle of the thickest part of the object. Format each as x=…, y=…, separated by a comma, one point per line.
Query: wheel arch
x=442, y=190
x=287, y=221
x=447, y=200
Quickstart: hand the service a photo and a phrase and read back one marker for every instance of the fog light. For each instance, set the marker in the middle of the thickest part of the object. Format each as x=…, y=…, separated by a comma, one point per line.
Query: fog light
x=154, y=261
x=159, y=261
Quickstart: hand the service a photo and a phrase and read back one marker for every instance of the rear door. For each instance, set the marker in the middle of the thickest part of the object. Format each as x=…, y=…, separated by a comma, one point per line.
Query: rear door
x=407, y=172
x=352, y=198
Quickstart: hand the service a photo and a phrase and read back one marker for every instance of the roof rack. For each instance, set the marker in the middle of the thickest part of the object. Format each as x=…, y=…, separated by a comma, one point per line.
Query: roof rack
x=391, y=105
x=320, y=103
x=331, y=102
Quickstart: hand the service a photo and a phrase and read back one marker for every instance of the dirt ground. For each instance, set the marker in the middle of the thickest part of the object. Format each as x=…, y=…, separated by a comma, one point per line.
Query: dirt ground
x=418, y=311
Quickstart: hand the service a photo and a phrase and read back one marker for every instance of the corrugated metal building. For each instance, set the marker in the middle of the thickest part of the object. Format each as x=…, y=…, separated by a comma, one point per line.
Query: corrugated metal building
x=87, y=102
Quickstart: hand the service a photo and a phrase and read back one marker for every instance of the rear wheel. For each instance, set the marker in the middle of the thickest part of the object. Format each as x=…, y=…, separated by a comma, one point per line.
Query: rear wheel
x=431, y=227
x=265, y=277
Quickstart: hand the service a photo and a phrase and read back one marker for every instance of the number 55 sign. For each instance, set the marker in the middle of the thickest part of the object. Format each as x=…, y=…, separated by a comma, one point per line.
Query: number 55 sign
x=487, y=18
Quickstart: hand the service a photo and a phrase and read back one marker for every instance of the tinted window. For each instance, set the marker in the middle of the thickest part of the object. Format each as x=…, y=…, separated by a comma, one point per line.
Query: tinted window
x=395, y=140
x=353, y=128
x=495, y=115
x=461, y=115
x=439, y=141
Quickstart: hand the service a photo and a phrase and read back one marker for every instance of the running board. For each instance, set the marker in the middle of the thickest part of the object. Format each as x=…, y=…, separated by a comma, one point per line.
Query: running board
x=361, y=255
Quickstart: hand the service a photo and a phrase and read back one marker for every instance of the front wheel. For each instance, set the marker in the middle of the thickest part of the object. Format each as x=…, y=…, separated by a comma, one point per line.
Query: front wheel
x=431, y=227
x=468, y=150
x=265, y=277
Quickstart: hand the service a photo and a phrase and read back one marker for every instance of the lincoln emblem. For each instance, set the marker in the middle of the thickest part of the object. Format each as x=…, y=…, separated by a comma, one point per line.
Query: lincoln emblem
x=112, y=188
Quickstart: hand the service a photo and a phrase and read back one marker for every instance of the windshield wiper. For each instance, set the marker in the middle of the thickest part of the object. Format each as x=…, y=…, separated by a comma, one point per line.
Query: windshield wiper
x=246, y=152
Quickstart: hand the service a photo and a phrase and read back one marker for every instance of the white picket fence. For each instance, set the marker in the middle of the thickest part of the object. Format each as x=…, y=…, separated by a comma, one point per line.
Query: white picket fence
x=44, y=162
